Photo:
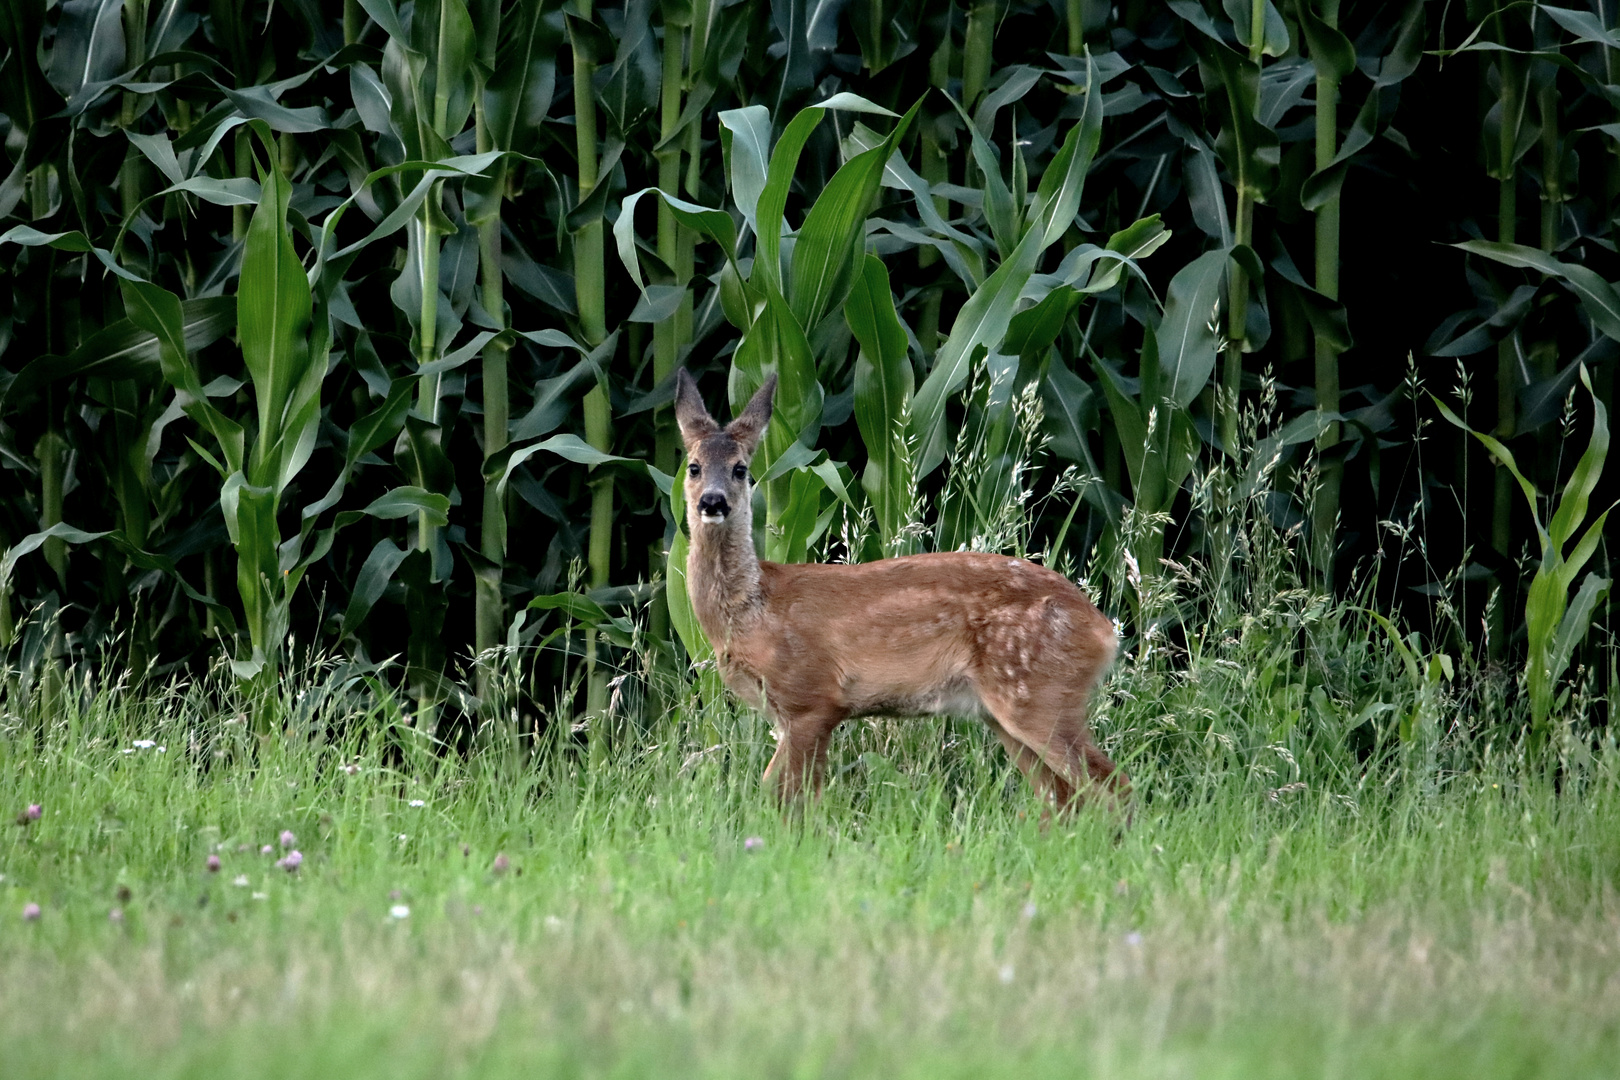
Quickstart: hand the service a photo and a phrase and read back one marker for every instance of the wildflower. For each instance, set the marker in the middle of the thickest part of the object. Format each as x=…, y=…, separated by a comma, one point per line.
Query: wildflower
x=291, y=861
x=418, y=802
x=502, y=863
x=267, y=850
x=1029, y=910
x=1006, y=973
x=287, y=838
x=34, y=811
x=31, y=912
x=1133, y=939
x=753, y=843
x=241, y=881
x=351, y=769
x=116, y=916
x=144, y=744
x=399, y=911
x=213, y=864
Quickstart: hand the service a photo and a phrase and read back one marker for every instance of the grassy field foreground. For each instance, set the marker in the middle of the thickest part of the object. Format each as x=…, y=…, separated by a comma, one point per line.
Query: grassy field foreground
x=655, y=916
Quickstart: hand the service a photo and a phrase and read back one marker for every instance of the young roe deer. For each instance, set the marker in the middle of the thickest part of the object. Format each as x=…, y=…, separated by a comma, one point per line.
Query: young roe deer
x=958, y=633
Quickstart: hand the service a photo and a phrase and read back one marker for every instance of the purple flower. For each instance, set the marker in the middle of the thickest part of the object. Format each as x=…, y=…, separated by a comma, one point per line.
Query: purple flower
x=31, y=912
x=502, y=863
x=291, y=861
x=266, y=850
x=213, y=864
x=34, y=811
x=753, y=843
x=287, y=838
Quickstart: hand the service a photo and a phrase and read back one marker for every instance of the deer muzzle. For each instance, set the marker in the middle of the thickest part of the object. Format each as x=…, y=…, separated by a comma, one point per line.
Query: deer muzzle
x=713, y=507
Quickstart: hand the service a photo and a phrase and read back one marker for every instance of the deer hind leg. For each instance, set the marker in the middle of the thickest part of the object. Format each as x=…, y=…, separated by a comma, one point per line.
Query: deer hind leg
x=1053, y=729
x=1053, y=788
x=801, y=753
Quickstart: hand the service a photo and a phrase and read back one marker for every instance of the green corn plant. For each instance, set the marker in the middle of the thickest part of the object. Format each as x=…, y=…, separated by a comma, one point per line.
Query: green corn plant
x=1503, y=127
x=1155, y=425
x=1023, y=234
x=1250, y=151
x=1554, y=625
x=285, y=330
x=429, y=70
x=591, y=286
x=884, y=385
x=285, y=354
x=1334, y=57
x=516, y=72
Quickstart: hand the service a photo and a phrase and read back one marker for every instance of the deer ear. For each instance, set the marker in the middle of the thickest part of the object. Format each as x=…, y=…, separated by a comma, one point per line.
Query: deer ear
x=690, y=413
x=749, y=426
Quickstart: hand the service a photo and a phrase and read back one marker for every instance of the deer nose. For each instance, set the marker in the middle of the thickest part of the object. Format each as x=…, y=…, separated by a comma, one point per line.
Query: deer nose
x=712, y=507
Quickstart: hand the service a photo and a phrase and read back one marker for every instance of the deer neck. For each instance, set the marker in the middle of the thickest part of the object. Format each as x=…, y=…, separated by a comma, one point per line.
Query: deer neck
x=722, y=578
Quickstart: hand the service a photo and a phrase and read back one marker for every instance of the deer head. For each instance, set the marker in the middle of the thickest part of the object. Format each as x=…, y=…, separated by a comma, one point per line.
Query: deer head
x=718, y=491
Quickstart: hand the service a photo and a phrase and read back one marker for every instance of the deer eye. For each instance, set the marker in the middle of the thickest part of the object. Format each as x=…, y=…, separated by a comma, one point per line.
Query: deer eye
x=740, y=471
x=694, y=470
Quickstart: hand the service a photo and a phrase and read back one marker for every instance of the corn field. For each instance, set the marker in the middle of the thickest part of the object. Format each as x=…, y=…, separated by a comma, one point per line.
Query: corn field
x=354, y=327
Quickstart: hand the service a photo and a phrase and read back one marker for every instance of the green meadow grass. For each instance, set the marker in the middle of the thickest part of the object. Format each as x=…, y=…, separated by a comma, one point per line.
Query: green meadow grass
x=917, y=922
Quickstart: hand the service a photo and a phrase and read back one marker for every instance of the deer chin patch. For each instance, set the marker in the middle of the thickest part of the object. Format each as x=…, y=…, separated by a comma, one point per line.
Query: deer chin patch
x=712, y=518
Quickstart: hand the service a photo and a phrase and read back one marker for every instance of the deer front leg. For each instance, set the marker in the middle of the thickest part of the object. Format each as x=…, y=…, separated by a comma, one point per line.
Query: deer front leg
x=801, y=753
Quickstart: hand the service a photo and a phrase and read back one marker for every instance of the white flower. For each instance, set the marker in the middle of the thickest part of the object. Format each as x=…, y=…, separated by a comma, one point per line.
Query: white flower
x=1006, y=973
x=144, y=744
x=399, y=911
x=418, y=802
x=241, y=881
x=1133, y=939
x=554, y=924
